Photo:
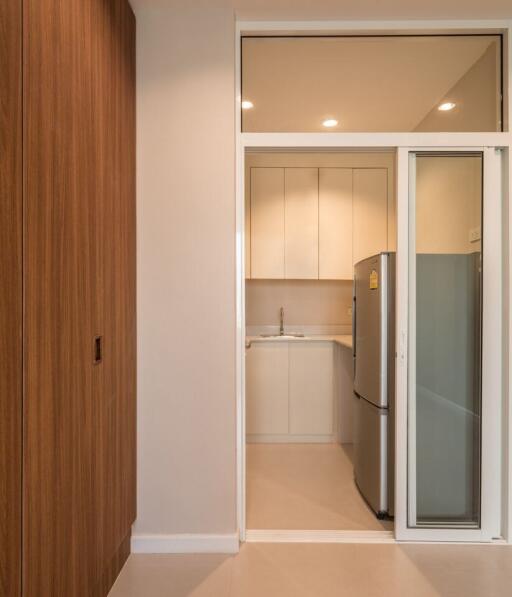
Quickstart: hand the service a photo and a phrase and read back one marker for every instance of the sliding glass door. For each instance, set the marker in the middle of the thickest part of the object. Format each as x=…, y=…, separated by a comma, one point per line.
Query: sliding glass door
x=449, y=312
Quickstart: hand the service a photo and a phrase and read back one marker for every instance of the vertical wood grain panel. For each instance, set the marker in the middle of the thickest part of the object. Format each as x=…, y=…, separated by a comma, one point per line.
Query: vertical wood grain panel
x=79, y=458
x=11, y=183
x=61, y=308
x=117, y=430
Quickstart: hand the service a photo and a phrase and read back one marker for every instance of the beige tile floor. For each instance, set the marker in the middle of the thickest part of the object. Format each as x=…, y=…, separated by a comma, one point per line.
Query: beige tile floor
x=323, y=570
x=305, y=487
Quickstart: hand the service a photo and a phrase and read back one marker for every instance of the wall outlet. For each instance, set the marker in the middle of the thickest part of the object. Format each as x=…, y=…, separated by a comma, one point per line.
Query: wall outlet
x=474, y=234
x=349, y=311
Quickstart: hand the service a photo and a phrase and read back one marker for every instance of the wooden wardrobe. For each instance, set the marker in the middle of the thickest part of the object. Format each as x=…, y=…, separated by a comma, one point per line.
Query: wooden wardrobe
x=67, y=295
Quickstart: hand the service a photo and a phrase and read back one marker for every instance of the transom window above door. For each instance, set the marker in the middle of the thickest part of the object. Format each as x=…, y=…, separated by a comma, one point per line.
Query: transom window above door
x=408, y=83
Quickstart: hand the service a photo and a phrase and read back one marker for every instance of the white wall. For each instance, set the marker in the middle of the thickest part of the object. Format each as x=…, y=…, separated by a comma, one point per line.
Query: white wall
x=355, y=10
x=448, y=203
x=186, y=269
x=186, y=233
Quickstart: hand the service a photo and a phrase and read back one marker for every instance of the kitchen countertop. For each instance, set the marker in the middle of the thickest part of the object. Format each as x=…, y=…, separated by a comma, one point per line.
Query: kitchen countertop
x=342, y=340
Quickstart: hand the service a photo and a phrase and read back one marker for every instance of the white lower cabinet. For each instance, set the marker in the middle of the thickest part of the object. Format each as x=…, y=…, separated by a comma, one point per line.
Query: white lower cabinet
x=311, y=388
x=290, y=391
x=343, y=394
x=266, y=394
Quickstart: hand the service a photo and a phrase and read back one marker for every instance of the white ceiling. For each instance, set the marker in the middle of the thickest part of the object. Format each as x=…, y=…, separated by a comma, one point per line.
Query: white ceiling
x=351, y=9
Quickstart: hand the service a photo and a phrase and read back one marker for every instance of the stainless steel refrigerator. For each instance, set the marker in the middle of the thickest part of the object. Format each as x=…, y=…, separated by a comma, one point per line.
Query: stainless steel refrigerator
x=374, y=380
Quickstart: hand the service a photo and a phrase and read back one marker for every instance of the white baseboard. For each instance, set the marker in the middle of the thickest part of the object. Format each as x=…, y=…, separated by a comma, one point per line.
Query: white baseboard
x=185, y=543
x=289, y=536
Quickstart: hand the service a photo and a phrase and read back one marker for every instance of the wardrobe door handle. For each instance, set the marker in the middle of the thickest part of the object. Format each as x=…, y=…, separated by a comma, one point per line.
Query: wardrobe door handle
x=98, y=349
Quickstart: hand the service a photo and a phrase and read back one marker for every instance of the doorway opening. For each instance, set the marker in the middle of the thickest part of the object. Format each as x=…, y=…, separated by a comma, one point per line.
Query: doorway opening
x=309, y=218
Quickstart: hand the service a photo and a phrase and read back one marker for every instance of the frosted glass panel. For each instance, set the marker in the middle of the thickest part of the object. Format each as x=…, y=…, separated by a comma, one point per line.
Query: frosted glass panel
x=372, y=84
x=446, y=388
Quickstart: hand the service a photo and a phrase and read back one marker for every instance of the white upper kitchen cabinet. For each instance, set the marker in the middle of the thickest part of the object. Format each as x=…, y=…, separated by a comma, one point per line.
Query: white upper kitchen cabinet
x=370, y=212
x=313, y=217
x=301, y=223
x=311, y=388
x=267, y=388
x=267, y=223
x=335, y=224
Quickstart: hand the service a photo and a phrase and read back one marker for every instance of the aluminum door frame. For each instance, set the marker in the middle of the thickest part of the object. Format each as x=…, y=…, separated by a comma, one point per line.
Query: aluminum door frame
x=492, y=380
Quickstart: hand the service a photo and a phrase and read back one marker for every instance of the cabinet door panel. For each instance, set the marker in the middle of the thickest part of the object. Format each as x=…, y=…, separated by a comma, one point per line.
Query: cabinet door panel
x=344, y=393
x=370, y=205
x=311, y=388
x=267, y=388
x=79, y=277
x=11, y=184
x=301, y=223
x=335, y=223
x=247, y=225
x=116, y=423
x=267, y=222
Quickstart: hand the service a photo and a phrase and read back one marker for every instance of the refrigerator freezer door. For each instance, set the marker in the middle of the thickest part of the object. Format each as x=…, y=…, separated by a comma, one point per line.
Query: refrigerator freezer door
x=370, y=329
x=370, y=454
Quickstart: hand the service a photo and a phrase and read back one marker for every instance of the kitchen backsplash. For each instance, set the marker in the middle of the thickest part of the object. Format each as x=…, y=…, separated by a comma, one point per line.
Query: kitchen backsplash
x=313, y=306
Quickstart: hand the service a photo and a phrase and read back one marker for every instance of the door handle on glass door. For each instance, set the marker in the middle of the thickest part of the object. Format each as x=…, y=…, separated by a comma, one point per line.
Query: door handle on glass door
x=402, y=345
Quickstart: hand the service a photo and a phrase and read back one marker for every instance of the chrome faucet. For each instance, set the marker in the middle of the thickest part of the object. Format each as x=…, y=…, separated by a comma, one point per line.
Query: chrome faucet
x=281, y=322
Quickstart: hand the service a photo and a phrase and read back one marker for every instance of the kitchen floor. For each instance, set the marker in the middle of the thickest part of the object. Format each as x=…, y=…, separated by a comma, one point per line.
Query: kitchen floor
x=323, y=570
x=305, y=487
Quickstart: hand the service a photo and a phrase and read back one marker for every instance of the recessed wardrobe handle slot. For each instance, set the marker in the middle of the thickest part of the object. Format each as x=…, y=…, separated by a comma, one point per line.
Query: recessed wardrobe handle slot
x=98, y=349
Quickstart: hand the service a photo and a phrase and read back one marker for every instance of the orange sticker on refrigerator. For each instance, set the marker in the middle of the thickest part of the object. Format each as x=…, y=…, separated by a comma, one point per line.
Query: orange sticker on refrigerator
x=374, y=280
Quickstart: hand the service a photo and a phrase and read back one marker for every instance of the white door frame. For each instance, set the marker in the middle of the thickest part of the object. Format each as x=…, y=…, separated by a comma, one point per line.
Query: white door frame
x=369, y=141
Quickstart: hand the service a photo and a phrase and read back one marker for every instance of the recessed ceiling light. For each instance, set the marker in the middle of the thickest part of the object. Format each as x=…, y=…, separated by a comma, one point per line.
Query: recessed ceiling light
x=330, y=122
x=247, y=105
x=446, y=106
